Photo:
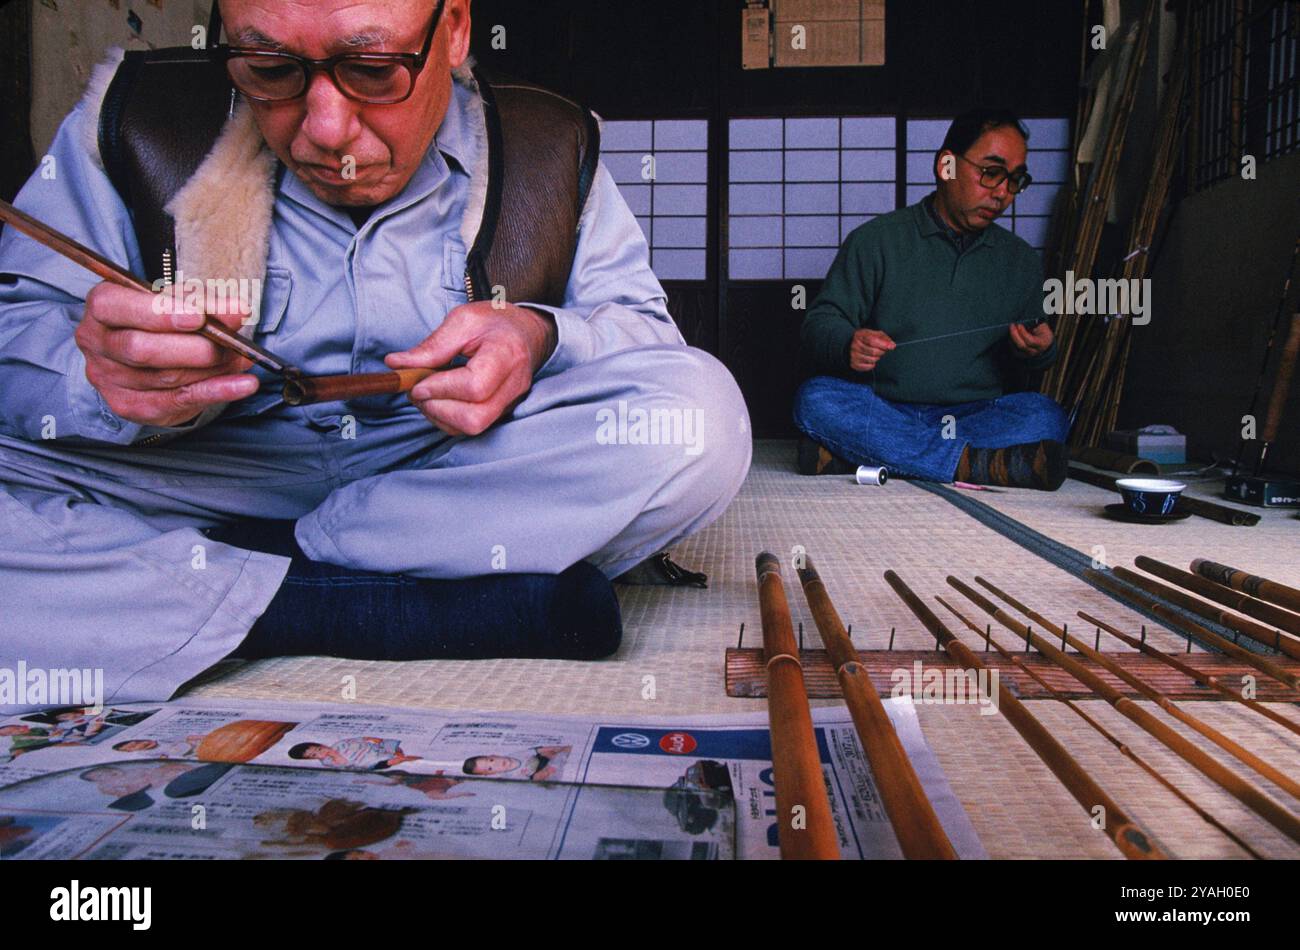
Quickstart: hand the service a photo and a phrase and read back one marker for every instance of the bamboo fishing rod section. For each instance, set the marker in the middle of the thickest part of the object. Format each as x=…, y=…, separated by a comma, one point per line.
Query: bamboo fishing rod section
x=299, y=390
x=106, y=270
x=1275, y=593
x=917, y=827
x=1103, y=731
x=1191, y=672
x=1131, y=840
x=306, y=390
x=1250, y=629
x=1243, y=603
x=1242, y=790
x=1145, y=689
x=1189, y=628
x=805, y=829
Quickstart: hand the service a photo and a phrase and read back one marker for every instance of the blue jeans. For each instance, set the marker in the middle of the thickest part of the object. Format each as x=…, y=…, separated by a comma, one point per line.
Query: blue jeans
x=916, y=440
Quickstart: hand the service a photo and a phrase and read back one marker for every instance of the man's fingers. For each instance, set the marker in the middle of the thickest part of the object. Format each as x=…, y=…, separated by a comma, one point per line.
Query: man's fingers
x=460, y=418
x=476, y=381
x=128, y=308
x=216, y=389
x=165, y=350
x=456, y=335
x=145, y=380
x=175, y=406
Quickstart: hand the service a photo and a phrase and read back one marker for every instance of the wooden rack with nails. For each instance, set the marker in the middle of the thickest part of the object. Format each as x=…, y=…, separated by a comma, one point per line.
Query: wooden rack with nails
x=1046, y=662
x=744, y=673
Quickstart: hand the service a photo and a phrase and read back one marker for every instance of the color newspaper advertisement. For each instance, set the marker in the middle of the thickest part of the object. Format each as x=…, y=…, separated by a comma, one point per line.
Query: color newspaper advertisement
x=224, y=779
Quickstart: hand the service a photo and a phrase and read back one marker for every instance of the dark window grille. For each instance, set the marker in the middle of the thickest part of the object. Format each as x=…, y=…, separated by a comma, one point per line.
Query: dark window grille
x=1247, y=84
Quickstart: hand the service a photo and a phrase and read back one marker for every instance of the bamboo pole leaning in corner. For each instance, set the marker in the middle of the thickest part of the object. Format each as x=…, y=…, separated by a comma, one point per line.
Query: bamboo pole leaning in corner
x=1242, y=790
x=1131, y=840
x=805, y=829
x=917, y=827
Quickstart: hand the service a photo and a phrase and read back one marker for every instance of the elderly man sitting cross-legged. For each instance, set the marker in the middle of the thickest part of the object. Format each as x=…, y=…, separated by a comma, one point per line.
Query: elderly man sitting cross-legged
x=162, y=508
x=924, y=318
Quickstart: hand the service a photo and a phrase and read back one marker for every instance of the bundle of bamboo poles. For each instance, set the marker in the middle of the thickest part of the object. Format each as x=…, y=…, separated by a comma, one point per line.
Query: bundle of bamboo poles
x=1088, y=377
x=1093, y=193
x=1098, y=398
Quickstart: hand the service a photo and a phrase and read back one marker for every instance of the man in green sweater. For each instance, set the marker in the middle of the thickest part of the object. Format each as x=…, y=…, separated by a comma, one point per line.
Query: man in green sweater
x=923, y=319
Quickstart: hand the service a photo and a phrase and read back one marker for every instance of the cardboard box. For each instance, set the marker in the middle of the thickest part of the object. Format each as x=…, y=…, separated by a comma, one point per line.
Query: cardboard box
x=1162, y=448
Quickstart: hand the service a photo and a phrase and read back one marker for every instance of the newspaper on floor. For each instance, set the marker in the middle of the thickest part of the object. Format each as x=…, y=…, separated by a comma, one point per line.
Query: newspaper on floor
x=226, y=779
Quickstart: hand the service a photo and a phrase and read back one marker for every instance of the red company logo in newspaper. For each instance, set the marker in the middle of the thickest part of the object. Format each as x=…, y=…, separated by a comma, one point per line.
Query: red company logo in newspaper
x=678, y=743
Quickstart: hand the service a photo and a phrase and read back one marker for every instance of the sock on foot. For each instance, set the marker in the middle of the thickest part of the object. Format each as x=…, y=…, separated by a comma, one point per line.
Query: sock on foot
x=815, y=459
x=326, y=610
x=1042, y=465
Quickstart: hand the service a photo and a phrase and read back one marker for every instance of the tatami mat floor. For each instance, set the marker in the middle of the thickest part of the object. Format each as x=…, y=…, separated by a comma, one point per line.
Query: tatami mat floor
x=678, y=636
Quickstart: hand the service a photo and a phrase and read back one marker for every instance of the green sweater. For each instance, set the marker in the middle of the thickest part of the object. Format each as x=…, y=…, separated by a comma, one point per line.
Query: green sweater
x=900, y=273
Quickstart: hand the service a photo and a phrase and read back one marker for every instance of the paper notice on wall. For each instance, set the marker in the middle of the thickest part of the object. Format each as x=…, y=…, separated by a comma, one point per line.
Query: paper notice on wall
x=755, y=38
x=806, y=33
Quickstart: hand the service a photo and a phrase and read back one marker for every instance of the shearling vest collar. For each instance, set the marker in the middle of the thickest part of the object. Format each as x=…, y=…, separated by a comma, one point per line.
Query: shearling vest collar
x=182, y=151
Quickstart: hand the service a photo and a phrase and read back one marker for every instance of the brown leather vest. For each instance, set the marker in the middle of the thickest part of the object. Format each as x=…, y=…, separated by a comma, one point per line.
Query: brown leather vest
x=165, y=109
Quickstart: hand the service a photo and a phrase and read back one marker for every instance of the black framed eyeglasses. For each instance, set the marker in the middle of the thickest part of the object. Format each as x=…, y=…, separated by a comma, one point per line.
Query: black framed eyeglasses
x=376, y=78
x=993, y=175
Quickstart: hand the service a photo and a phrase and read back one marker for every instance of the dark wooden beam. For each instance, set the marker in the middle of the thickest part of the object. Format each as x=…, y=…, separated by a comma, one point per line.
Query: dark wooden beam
x=16, y=158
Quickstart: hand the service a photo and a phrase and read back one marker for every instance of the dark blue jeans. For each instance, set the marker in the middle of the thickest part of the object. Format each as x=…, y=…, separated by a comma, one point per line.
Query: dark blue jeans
x=916, y=440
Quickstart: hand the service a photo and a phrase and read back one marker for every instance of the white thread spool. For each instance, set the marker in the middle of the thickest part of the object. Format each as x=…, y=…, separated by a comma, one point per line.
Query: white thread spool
x=871, y=475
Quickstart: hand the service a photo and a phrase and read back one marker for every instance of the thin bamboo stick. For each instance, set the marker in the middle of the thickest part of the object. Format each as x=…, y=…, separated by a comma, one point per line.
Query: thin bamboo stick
x=1131, y=840
x=1211, y=768
x=1247, y=628
x=1178, y=622
x=1228, y=745
x=1105, y=733
x=1190, y=671
x=106, y=270
x=306, y=390
x=1099, y=193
